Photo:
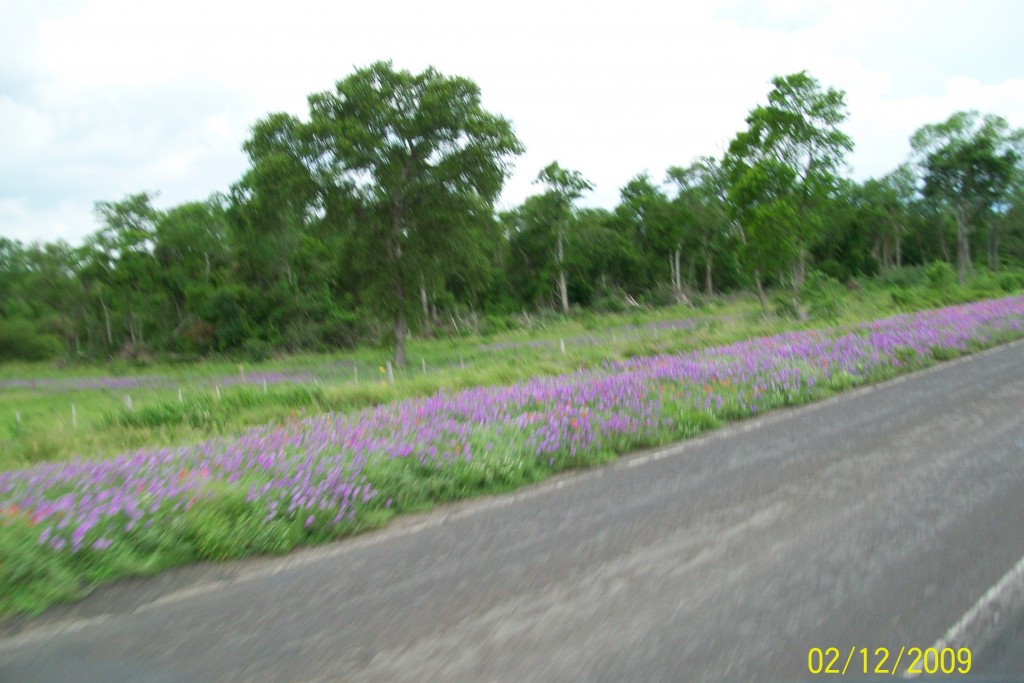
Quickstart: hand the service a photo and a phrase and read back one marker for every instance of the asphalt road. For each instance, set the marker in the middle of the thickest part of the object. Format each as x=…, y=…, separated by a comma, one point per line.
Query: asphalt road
x=888, y=517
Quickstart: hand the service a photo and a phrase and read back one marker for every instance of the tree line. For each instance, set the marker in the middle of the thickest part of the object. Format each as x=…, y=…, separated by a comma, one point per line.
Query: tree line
x=374, y=218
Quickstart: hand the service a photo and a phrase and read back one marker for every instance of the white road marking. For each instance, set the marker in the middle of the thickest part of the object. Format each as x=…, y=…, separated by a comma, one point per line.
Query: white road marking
x=985, y=613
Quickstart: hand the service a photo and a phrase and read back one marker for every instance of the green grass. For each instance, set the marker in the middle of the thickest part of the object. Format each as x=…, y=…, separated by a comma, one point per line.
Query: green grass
x=225, y=526
x=40, y=424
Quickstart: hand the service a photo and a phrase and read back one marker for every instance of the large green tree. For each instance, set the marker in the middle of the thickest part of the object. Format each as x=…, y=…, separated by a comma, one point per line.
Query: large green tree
x=564, y=187
x=968, y=162
x=783, y=170
x=702, y=202
x=644, y=216
x=422, y=162
x=120, y=258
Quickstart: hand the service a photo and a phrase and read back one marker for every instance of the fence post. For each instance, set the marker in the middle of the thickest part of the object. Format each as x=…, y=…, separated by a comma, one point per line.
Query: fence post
x=391, y=372
x=128, y=403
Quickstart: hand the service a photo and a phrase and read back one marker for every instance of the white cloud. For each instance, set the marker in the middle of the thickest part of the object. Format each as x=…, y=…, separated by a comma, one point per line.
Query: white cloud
x=63, y=221
x=101, y=98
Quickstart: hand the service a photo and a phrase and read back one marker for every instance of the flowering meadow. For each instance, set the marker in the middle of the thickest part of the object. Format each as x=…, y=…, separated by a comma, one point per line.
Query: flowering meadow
x=67, y=525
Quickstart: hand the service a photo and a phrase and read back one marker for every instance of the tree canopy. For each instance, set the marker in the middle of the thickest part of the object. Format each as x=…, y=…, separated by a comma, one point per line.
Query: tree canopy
x=372, y=216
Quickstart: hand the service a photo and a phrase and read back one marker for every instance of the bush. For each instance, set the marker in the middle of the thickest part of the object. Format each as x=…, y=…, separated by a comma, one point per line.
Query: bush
x=823, y=296
x=256, y=350
x=905, y=277
x=609, y=303
x=496, y=324
x=907, y=300
x=940, y=277
x=1010, y=282
x=199, y=337
x=343, y=329
x=835, y=270
x=786, y=305
x=19, y=340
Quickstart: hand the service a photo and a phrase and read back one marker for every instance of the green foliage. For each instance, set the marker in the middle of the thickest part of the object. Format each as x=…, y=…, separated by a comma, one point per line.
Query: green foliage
x=907, y=276
x=940, y=277
x=19, y=340
x=823, y=296
x=206, y=411
x=968, y=163
x=1011, y=281
x=783, y=170
x=786, y=304
x=33, y=577
x=419, y=163
x=256, y=350
x=224, y=525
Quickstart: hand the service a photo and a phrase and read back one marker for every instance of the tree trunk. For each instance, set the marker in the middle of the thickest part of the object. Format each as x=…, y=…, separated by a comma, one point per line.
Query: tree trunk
x=106, y=318
x=426, y=307
x=963, y=249
x=400, y=337
x=800, y=271
x=942, y=244
x=563, y=285
x=131, y=328
x=395, y=256
x=679, y=276
x=760, y=291
x=672, y=273
x=709, y=285
x=993, y=253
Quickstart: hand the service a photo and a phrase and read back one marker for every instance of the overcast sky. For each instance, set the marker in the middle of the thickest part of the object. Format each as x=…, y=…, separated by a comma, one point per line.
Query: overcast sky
x=103, y=98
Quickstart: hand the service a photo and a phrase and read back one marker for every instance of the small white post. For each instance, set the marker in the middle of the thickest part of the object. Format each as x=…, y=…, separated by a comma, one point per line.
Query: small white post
x=561, y=345
x=241, y=372
x=217, y=389
x=462, y=362
x=74, y=416
x=355, y=374
x=128, y=403
x=423, y=361
x=181, y=399
x=17, y=416
x=391, y=372
x=264, y=385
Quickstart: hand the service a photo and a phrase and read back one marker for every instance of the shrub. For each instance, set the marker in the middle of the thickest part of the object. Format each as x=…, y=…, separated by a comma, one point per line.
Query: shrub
x=786, y=305
x=907, y=276
x=256, y=350
x=343, y=329
x=19, y=340
x=1010, y=282
x=940, y=277
x=823, y=296
x=835, y=270
x=609, y=303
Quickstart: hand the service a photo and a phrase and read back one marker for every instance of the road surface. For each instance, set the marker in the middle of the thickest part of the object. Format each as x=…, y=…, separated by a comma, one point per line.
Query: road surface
x=891, y=516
